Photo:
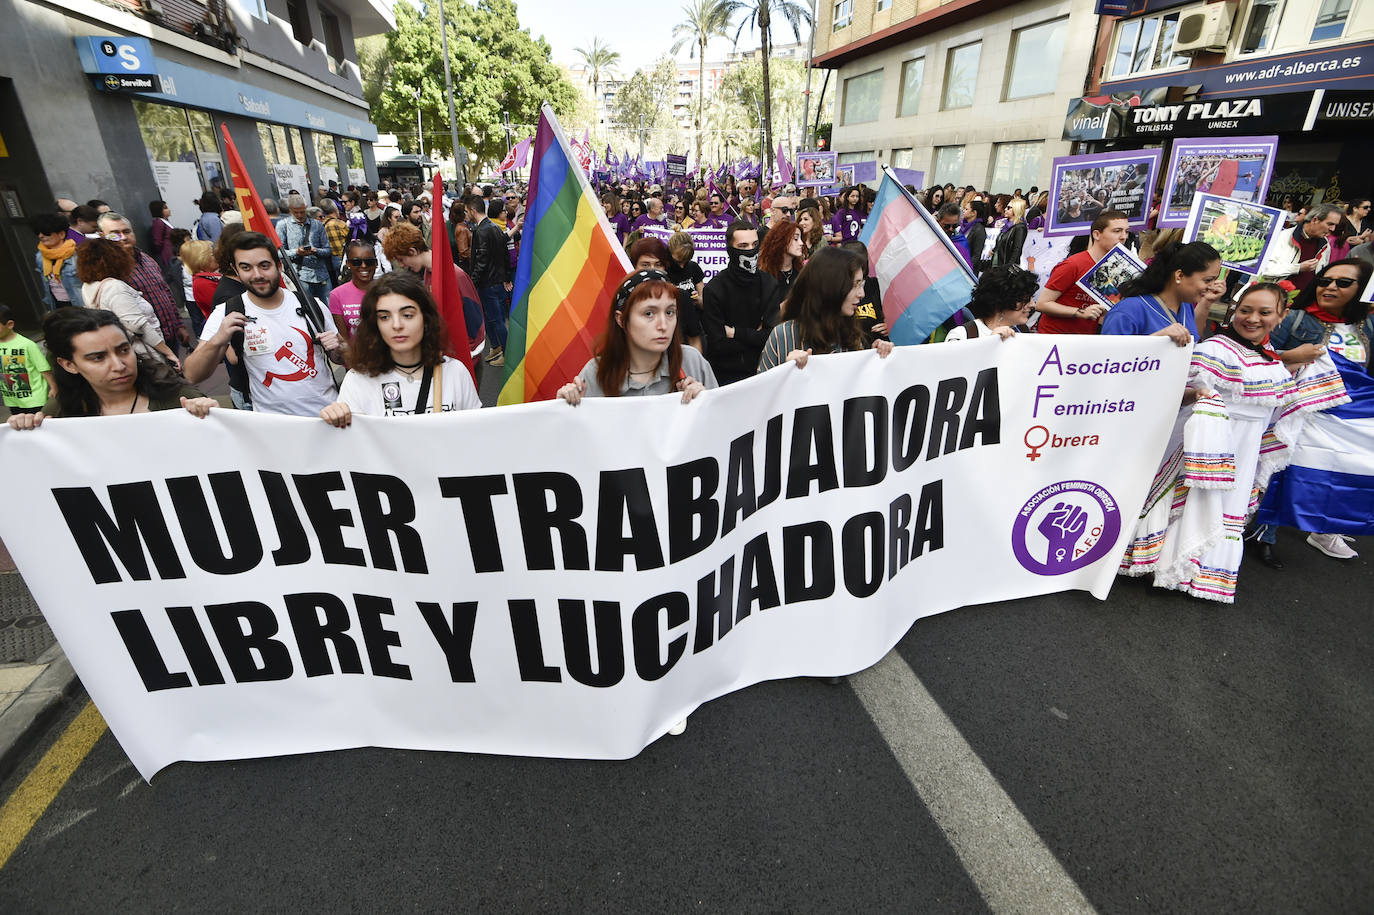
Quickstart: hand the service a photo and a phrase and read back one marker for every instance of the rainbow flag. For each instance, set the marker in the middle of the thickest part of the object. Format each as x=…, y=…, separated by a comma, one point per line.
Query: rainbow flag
x=569, y=269
x=923, y=278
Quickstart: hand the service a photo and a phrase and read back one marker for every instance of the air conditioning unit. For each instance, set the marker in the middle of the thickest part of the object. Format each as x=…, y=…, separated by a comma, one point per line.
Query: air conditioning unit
x=1205, y=28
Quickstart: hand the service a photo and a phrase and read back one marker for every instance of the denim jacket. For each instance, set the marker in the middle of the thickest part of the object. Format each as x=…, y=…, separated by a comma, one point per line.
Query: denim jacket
x=1301, y=327
x=69, y=280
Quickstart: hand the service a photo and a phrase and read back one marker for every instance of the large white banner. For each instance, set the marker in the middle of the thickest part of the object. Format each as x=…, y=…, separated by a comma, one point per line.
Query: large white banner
x=560, y=581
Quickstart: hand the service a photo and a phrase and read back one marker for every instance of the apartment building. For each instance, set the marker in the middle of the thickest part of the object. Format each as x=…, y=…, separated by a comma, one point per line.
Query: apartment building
x=1301, y=70
x=123, y=100
x=965, y=91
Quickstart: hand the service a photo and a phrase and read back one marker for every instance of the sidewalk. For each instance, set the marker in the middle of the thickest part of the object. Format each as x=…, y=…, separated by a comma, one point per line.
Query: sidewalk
x=35, y=676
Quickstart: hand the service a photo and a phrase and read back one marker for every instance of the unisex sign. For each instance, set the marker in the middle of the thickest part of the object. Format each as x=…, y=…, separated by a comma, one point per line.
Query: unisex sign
x=250, y=585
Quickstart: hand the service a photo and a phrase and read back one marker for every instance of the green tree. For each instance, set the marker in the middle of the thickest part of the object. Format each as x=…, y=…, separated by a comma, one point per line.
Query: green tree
x=743, y=87
x=600, y=61
x=646, y=99
x=760, y=13
x=498, y=70
x=704, y=20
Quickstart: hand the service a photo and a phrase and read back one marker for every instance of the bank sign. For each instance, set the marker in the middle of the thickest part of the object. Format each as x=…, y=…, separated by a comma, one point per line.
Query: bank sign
x=121, y=63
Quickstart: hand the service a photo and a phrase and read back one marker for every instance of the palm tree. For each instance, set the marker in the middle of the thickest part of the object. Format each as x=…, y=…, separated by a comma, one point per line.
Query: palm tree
x=600, y=61
x=760, y=13
x=705, y=19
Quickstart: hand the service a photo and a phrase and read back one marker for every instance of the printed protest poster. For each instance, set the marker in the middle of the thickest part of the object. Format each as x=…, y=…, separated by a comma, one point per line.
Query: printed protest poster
x=591, y=576
x=1083, y=186
x=1104, y=281
x=816, y=169
x=1240, y=231
x=708, y=248
x=291, y=177
x=1238, y=168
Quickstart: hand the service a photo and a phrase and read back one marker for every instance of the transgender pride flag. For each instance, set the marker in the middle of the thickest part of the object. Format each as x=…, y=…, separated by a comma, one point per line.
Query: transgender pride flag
x=922, y=276
x=1328, y=487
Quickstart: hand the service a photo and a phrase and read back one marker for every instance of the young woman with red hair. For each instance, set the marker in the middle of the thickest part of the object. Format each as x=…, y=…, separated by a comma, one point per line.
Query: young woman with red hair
x=641, y=352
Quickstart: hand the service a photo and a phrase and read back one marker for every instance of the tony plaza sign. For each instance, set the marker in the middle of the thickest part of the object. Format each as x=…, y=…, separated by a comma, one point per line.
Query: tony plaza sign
x=250, y=585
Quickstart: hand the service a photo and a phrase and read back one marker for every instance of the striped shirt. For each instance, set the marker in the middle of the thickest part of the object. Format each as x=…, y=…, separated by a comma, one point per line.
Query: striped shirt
x=146, y=277
x=784, y=338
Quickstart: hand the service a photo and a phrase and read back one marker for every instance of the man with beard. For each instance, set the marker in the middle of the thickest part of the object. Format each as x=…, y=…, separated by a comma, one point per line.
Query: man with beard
x=739, y=308
x=287, y=365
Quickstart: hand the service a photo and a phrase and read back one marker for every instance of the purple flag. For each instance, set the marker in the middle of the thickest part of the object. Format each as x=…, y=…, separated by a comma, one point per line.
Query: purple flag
x=516, y=158
x=783, y=174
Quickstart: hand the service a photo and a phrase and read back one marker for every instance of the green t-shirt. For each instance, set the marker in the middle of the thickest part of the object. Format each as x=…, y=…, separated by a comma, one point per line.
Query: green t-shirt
x=22, y=364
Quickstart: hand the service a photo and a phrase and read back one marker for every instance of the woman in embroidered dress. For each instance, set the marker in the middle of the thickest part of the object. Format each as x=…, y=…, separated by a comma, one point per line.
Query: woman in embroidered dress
x=1248, y=414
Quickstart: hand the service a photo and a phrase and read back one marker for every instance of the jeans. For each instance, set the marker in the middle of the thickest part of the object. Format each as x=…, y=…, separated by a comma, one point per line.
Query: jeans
x=494, y=308
x=240, y=402
x=318, y=291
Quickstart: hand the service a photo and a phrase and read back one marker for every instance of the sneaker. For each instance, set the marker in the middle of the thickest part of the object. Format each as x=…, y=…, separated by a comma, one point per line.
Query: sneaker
x=1332, y=545
x=678, y=728
x=496, y=354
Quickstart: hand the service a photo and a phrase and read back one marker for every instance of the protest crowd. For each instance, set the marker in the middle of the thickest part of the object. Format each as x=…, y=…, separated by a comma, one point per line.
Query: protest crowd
x=351, y=282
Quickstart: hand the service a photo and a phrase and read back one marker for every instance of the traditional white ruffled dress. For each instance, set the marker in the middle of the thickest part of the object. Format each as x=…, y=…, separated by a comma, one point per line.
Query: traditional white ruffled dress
x=1190, y=532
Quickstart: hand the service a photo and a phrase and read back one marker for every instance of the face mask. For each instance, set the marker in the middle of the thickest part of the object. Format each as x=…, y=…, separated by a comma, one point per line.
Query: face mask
x=746, y=259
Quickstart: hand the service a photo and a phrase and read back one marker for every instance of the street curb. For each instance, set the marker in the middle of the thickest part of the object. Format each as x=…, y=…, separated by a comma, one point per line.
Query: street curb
x=40, y=702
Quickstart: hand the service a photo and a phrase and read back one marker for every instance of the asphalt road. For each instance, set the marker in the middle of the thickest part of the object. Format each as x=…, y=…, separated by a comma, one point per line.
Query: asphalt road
x=1151, y=753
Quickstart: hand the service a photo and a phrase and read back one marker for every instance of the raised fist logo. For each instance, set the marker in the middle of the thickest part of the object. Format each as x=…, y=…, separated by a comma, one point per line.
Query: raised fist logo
x=1063, y=527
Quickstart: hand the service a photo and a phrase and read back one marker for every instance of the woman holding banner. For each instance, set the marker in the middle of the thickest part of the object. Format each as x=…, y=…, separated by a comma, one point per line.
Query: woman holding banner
x=97, y=372
x=820, y=312
x=641, y=351
x=398, y=366
x=1327, y=316
x=1249, y=414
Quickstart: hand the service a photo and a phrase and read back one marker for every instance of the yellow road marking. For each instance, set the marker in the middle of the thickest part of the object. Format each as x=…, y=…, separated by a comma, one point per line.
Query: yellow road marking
x=42, y=784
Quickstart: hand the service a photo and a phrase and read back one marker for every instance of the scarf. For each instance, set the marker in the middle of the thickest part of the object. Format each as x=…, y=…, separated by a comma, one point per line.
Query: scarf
x=1321, y=314
x=54, y=258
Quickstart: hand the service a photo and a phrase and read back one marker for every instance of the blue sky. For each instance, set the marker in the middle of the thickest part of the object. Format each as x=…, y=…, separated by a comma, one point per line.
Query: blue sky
x=623, y=24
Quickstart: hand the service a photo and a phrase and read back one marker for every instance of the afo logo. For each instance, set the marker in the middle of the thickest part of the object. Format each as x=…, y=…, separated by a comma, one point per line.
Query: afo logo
x=1065, y=527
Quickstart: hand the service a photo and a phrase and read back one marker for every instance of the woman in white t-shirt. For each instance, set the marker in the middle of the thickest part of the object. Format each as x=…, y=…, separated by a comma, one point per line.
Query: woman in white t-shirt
x=397, y=358
x=1001, y=303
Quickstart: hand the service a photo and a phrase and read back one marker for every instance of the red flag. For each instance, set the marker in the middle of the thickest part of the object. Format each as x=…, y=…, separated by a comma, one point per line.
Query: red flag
x=446, y=283
x=255, y=218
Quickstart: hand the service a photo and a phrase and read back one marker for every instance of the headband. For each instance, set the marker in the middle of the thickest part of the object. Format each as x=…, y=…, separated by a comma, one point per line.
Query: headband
x=633, y=281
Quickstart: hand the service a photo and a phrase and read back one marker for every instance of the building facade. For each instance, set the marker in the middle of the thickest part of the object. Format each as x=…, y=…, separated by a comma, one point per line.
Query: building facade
x=123, y=100
x=965, y=91
x=1301, y=70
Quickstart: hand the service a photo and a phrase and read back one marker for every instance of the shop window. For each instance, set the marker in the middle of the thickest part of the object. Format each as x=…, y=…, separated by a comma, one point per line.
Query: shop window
x=1033, y=51
x=844, y=14
x=901, y=158
x=1015, y=165
x=269, y=152
x=949, y=165
x=961, y=75
x=862, y=95
x=297, y=145
x=849, y=158
x=1261, y=25
x=166, y=133
x=1331, y=19
x=280, y=146
x=1146, y=44
x=909, y=96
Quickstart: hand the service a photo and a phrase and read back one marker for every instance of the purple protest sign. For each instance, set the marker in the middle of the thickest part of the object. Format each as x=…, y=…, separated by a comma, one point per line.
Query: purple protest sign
x=1084, y=186
x=1237, y=167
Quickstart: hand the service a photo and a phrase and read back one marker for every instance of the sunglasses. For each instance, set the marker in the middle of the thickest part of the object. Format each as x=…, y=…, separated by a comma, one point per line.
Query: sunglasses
x=1342, y=282
x=362, y=262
